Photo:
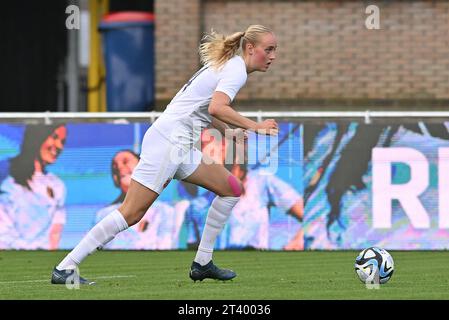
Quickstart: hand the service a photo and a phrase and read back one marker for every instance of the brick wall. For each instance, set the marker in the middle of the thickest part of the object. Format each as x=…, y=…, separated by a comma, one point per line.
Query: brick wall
x=325, y=50
x=177, y=38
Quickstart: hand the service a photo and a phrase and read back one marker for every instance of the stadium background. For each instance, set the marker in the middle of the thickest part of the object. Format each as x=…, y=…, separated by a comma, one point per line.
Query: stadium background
x=327, y=60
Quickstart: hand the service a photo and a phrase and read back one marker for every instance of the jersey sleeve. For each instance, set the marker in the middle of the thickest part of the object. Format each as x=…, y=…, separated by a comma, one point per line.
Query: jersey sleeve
x=282, y=194
x=232, y=78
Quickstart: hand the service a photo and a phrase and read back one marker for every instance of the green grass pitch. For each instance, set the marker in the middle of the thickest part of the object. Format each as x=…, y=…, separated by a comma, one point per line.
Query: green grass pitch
x=163, y=275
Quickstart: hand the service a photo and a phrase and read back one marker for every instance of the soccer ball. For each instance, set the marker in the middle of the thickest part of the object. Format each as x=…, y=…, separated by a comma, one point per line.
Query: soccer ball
x=374, y=266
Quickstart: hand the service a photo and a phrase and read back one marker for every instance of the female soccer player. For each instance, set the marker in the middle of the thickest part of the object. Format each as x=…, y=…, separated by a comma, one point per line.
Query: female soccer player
x=168, y=151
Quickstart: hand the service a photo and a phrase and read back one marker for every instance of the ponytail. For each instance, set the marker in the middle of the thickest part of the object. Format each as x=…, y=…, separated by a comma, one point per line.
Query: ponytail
x=217, y=49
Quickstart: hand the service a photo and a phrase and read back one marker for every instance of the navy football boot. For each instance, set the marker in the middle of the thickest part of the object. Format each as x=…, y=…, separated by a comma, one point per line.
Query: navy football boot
x=211, y=271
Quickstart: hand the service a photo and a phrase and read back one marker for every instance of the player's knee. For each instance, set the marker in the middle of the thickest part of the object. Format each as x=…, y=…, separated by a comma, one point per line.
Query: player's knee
x=235, y=185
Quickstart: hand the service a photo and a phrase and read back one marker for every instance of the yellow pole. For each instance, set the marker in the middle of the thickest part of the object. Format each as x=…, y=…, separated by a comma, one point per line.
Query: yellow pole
x=96, y=101
x=104, y=10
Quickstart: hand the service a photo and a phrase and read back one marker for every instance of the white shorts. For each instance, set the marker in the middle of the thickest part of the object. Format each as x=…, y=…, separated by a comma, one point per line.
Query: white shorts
x=161, y=161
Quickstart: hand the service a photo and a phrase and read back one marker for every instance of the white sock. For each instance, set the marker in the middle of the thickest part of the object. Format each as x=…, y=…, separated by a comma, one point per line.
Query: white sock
x=103, y=232
x=218, y=214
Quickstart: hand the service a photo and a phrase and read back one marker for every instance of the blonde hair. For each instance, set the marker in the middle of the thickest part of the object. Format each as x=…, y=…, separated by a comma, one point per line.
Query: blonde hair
x=217, y=49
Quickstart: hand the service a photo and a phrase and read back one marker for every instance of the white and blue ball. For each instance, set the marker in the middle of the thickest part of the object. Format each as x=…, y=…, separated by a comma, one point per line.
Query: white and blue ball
x=374, y=265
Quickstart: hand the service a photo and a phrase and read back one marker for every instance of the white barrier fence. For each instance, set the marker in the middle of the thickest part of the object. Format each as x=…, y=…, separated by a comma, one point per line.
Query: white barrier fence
x=367, y=115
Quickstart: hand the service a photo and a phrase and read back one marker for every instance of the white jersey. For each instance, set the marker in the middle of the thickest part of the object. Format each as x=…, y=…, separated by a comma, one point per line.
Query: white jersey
x=188, y=110
x=26, y=216
x=168, y=147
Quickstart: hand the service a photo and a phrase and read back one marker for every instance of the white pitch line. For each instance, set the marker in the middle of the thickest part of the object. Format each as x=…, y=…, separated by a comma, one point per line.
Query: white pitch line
x=48, y=280
x=114, y=277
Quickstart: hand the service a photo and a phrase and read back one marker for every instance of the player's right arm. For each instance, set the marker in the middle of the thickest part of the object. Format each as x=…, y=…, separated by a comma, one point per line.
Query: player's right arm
x=220, y=108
